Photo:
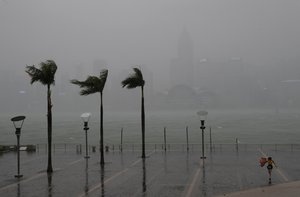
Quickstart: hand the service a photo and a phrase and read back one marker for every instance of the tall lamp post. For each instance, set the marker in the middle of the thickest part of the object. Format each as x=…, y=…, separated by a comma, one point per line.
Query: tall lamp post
x=18, y=123
x=202, y=116
x=85, y=117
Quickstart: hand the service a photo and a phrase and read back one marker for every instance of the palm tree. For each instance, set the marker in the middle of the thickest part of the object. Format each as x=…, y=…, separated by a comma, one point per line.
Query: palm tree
x=132, y=81
x=92, y=85
x=45, y=75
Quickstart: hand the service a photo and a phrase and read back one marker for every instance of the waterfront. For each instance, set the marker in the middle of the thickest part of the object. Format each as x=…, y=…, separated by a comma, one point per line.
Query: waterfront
x=249, y=126
x=174, y=172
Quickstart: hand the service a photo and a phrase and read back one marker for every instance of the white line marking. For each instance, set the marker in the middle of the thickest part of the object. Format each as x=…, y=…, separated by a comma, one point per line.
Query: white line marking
x=136, y=162
x=192, y=185
x=22, y=181
x=74, y=162
x=114, y=176
x=139, y=191
x=35, y=176
x=106, y=181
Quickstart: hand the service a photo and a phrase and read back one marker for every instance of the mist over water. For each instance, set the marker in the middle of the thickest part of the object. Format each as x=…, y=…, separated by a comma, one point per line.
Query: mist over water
x=249, y=126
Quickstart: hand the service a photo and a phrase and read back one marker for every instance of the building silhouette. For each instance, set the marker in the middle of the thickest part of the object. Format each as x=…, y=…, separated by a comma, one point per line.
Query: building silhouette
x=182, y=67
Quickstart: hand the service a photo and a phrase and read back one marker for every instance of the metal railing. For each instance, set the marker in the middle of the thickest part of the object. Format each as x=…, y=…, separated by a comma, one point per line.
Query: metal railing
x=79, y=148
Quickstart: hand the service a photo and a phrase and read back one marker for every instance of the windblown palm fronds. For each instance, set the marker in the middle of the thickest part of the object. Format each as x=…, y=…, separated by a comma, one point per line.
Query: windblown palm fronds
x=45, y=75
x=132, y=81
x=93, y=85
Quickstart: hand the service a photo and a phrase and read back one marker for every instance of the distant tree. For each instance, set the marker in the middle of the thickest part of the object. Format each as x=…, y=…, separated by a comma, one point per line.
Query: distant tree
x=91, y=85
x=45, y=75
x=132, y=81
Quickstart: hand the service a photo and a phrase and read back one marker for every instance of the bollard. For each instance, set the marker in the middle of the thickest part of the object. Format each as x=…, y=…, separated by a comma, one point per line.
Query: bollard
x=210, y=139
x=121, y=148
x=187, y=139
x=165, y=139
x=236, y=144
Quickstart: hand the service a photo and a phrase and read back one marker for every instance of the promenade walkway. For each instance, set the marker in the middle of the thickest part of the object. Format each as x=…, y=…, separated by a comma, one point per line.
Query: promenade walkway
x=225, y=172
x=291, y=189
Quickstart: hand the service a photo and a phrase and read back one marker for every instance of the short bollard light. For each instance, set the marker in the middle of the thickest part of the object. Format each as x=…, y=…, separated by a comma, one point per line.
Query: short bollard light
x=85, y=117
x=18, y=123
x=202, y=116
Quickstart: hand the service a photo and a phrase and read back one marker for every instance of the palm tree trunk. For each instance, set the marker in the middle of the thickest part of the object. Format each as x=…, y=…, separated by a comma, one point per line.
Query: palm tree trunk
x=49, y=125
x=101, y=131
x=143, y=124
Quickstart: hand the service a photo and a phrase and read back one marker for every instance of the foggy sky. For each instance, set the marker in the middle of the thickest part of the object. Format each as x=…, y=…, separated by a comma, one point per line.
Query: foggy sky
x=126, y=33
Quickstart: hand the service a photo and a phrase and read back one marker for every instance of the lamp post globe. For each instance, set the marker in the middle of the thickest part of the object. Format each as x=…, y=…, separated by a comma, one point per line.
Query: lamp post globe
x=202, y=116
x=86, y=117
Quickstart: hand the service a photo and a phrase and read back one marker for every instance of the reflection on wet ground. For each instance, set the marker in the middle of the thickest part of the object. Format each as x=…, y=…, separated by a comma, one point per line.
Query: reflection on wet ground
x=177, y=173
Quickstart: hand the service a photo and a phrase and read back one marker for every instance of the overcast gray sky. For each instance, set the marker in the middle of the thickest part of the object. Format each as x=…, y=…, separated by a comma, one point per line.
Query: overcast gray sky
x=131, y=32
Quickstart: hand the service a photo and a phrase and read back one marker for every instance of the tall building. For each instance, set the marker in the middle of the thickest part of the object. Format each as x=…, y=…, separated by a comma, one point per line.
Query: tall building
x=182, y=67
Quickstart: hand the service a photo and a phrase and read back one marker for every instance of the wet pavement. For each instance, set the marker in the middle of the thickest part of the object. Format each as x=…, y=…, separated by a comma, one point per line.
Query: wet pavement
x=171, y=173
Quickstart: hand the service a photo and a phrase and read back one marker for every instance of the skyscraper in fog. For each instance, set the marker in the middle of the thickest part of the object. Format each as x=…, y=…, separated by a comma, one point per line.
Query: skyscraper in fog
x=182, y=67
